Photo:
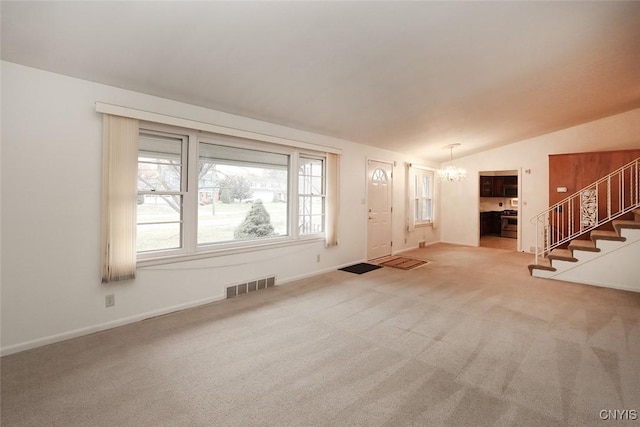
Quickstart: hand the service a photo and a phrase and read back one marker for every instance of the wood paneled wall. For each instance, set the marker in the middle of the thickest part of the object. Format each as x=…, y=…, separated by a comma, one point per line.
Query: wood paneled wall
x=577, y=170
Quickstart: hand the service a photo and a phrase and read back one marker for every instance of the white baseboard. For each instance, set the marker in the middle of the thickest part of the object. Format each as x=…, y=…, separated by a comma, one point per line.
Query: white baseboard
x=317, y=272
x=459, y=243
x=601, y=285
x=414, y=248
x=28, y=345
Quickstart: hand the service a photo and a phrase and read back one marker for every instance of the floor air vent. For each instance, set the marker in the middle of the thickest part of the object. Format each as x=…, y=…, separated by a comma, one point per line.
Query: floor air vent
x=254, y=285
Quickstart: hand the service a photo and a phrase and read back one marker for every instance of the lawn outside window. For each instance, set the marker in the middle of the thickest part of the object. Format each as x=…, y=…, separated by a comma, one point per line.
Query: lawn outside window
x=234, y=183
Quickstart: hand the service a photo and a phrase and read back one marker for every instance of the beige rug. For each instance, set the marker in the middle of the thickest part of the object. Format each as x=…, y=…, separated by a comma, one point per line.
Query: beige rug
x=401, y=262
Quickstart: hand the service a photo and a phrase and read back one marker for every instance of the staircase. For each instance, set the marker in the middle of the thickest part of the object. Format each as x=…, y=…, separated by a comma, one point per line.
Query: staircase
x=609, y=257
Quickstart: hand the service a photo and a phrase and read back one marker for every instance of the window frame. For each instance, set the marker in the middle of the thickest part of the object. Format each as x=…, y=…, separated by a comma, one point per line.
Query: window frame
x=183, y=192
x=249, y=145
x=418, y=198
x=322, y=195
x=190, y=248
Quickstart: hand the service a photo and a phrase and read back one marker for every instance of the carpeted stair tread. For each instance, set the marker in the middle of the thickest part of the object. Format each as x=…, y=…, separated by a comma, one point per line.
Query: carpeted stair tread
x=562, y=255
x=583, y=245
x=606, y=235
x=543, y=264
x=618, y=224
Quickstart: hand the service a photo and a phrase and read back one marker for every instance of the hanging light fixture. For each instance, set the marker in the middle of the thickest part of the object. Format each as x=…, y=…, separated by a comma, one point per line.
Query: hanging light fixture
x=452, y=173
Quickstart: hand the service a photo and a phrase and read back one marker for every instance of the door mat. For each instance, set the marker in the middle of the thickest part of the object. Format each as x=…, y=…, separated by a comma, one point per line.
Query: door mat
x=360, y=268
x=402, y=263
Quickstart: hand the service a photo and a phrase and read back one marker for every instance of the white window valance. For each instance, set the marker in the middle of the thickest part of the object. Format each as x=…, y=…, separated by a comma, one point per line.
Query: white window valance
x=149, y=116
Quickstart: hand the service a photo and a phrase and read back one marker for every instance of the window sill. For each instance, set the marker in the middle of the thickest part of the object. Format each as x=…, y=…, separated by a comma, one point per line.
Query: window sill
x=220, y=252
x=424, y=224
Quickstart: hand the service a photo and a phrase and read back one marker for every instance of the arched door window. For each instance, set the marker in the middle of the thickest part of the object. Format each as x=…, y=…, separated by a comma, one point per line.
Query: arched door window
x=379, y=175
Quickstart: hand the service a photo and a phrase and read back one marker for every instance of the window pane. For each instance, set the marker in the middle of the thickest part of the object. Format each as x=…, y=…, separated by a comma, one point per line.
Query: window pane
x=159, y=163
x=311, y=203
x=423, y=196
x=426, y=210
x=152, y=237
x=241, y=201
x=158, y=177
x=426, y=186
x=379, y=175
x=160, y=168
x=152, y=208
x=166, y=148
x=311, y=214
x=159, y=224
x=222, y=154
x=310, y=185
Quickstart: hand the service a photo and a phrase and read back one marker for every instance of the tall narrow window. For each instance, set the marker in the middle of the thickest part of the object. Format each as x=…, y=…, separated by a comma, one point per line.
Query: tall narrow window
x=423, y=196
x=312, y=194
x=243, y=194
x=161, y=190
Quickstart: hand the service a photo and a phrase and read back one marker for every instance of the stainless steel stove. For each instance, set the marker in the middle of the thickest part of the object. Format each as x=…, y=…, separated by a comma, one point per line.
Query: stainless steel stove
x=509, y=224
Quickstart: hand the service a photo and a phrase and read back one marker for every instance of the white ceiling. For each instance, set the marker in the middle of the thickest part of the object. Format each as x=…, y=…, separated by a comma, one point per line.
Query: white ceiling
x=408, y=76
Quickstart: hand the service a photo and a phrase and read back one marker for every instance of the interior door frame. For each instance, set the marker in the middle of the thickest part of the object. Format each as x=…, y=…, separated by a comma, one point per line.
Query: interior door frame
x=392, y=164
x=519, y=239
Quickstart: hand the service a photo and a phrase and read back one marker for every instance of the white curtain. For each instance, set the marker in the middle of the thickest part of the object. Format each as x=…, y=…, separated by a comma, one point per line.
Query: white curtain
x=332, y=199
x=410, y=198
x=119, y=198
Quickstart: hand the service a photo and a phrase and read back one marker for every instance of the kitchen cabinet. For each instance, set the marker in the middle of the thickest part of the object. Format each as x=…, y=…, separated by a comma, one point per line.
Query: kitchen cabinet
x=496, y=223
x=490, y=223
x=511, y=180
x=485, y=223
x=498, y=186
x=494, y=186
x=486, y=186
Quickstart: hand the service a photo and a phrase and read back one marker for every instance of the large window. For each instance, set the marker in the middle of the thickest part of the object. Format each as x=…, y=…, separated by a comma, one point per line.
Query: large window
x=203, y=192
x=423, y=197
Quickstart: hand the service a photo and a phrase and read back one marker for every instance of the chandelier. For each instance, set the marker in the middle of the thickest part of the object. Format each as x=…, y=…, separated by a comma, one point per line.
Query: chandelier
x=452, y=173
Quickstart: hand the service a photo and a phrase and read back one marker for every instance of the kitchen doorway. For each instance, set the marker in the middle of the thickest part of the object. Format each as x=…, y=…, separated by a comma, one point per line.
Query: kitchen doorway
x=498, y=217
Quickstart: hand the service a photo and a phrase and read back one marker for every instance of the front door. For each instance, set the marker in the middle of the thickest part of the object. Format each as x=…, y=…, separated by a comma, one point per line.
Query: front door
x=379, y=175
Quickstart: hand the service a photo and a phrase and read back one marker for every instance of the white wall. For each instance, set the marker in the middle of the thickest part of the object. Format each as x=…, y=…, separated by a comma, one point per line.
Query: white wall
x=460, y=202
x=615, y=266
x=51, y=174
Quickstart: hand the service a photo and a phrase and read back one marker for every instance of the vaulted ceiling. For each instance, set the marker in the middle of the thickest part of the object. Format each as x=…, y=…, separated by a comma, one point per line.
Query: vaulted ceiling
x=408, y=76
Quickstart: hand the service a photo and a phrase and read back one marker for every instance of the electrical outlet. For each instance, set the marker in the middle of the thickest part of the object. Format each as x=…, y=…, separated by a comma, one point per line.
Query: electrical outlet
x=109, y=300
x=318, y=258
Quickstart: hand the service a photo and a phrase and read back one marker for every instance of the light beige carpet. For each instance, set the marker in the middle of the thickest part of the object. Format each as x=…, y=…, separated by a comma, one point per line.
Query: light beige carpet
x=470, y=339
